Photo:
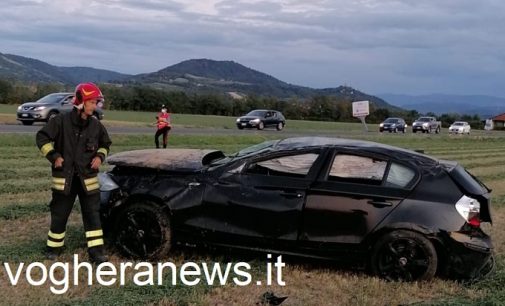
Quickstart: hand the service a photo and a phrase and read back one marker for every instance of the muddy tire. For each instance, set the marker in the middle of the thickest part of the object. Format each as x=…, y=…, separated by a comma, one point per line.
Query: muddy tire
x=404, y=256
x=142, y=231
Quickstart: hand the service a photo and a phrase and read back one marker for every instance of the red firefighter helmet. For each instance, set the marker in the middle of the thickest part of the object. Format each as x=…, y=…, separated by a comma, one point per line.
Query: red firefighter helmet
x=85, y=92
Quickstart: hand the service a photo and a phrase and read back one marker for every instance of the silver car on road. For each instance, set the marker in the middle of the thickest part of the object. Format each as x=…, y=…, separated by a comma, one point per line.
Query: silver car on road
x=47, y=107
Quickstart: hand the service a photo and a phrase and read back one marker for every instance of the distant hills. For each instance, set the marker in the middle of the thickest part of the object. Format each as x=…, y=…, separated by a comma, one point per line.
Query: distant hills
x=482, y=105
x=228, y=77
x=21, y=68
x=193, y=76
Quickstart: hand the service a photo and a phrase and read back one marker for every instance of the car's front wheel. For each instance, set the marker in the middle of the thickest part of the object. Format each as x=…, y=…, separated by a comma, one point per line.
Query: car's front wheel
x=142, y=230
x=51, y=115
x=404, y=256
x=261, y=125
x=27, y=122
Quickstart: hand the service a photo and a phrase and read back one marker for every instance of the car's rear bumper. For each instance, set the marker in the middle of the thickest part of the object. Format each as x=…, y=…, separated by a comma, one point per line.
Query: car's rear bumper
x=468, y=256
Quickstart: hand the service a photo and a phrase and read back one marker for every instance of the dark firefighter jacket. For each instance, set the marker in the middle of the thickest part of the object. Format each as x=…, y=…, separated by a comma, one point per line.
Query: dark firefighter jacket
x=78, y=141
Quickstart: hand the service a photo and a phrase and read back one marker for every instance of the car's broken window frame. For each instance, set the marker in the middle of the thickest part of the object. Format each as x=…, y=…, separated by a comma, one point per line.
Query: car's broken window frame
x=390, y=160
x=312, y=173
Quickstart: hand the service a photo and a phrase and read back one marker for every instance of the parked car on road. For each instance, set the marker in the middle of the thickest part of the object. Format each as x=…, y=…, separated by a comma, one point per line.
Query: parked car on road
x=427, y=125
x=460, y=127
x=262, y=118
x=47, y=107
x=404, y=214
x=393, y=125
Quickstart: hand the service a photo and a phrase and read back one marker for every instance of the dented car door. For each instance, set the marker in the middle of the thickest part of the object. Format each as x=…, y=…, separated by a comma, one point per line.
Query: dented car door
x=263, y=200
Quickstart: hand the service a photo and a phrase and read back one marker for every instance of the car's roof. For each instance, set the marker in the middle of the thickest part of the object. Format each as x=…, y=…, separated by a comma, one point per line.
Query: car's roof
x=305, y=142
x=397, y=118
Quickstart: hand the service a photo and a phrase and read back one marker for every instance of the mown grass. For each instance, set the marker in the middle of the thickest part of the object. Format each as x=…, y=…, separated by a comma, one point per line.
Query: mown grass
x=24, y=221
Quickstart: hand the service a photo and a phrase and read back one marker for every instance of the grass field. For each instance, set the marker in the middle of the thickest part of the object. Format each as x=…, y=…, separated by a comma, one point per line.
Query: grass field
x=24, y=220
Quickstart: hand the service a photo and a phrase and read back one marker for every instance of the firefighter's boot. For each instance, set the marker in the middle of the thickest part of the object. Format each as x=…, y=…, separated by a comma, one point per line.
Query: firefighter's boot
x=52, y=253
x=97, y=255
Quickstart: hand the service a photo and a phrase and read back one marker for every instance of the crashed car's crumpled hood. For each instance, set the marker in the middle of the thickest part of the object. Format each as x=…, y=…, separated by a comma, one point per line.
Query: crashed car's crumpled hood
x=165, y=159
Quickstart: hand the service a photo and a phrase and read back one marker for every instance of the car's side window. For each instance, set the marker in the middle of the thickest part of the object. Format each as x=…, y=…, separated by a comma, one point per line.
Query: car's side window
x=357, y=169
x=399, y=176
x=290, y=166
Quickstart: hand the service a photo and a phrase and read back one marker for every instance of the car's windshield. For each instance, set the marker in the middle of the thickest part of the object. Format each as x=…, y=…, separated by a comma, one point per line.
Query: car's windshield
x=391, y=120
x=264, y=146
x=458, y=123
x=51, y=98
x=256, y=113
x=261, y=147
x=424, y=119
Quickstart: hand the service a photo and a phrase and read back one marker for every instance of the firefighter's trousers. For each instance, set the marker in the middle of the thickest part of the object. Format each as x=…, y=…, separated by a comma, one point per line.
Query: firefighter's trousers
x=61, y=206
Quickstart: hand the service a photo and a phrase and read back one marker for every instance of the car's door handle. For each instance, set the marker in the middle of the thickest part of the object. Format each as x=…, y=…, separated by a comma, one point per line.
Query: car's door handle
x=380, y=203
x=291, y=195
x=194, y=184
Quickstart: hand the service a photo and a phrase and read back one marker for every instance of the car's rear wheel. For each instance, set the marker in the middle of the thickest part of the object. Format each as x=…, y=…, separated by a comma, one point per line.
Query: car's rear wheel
x=280, y=126
x=27, y=122
x=261, y=125
x=142, y=230
x=404, y=256
x=437, y=131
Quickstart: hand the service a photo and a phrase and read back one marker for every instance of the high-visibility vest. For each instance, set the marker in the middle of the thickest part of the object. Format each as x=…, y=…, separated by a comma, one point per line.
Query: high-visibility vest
x=163, y=120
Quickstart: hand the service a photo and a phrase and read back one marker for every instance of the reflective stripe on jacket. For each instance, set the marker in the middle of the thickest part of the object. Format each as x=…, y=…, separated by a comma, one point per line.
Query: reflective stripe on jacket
x=78, y=141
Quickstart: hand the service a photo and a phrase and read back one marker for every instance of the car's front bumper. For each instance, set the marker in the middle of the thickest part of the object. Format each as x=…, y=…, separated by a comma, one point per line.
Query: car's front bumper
x=390, y=128
x=31, y=115
x=456, y=131
x=247, y=124
x=468, y=256
x=420, y=128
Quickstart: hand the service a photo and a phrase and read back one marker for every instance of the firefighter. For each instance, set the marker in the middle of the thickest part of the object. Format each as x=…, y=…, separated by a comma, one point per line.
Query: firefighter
x=163, y=125
x=76, y=144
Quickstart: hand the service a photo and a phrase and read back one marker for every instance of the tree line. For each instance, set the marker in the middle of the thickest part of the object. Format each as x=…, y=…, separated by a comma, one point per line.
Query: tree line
x=147, y=98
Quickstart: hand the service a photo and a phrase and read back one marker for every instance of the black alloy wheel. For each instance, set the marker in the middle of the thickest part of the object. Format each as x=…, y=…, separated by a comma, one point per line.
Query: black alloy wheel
x=142, y=230
x=404, y=256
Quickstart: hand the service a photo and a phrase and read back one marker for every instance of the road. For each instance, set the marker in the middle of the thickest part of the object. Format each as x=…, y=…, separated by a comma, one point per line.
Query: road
x=32, y=129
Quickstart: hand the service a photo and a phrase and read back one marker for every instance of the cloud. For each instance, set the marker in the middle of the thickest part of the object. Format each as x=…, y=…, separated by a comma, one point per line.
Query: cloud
x=378, y=46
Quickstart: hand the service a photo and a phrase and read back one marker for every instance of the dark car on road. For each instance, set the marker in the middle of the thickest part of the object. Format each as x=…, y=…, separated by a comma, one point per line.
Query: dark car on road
x=262, y=118
x=47, y=107
x=404, y=215
x=393, y=125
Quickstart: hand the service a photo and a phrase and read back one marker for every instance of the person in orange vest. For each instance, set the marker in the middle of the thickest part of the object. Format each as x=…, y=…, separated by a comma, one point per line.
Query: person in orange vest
x=163, y=125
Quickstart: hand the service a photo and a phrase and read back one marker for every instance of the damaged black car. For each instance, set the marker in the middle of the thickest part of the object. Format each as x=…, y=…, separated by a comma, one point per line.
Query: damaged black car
x=402, y=214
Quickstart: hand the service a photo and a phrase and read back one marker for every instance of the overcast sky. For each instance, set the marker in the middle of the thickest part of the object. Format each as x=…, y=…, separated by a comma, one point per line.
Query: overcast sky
x=377, y=46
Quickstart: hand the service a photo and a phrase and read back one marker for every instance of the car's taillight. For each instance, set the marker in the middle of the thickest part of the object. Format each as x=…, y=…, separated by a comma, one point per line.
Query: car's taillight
x=469, y=209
